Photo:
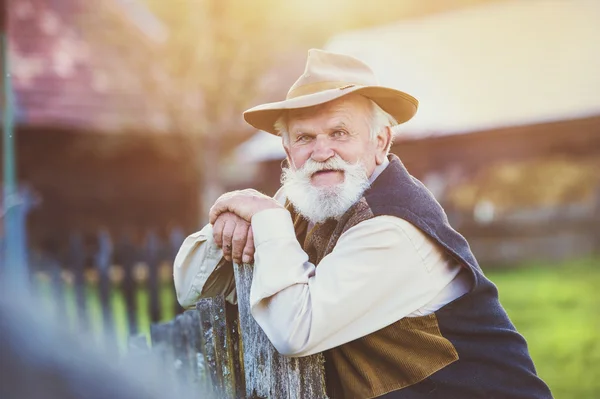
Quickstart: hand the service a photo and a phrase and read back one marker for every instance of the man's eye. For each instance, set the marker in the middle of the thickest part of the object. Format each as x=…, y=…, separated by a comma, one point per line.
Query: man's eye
x=303, y=139
x=339, y=134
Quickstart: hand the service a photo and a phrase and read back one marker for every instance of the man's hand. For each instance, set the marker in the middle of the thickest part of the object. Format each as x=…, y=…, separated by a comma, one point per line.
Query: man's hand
x=234, y=235
x=244, y=203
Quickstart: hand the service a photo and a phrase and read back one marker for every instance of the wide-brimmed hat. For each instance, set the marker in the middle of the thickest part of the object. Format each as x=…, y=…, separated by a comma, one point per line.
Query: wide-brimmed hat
x=329, y=76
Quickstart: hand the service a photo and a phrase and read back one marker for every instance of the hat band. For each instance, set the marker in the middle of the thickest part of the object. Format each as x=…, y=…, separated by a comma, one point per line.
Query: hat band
x=312, y=88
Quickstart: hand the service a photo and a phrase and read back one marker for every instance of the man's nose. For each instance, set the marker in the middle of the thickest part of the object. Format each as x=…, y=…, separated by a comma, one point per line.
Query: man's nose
x=322, y=149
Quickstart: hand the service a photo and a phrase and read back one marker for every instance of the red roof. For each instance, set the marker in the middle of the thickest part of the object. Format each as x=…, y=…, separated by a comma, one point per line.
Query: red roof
x=61, y=80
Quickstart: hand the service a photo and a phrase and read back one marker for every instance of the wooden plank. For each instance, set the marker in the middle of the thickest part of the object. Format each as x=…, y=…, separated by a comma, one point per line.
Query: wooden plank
x=187, y=344
x=138, y=344
x=103, y=261
x=267, y=373
x=57, y=284
x=152, y=259
x=219, y=348
x=237, y=354
x=77, y=259
x=127, y=256
x=200, y=374
x=162, y=346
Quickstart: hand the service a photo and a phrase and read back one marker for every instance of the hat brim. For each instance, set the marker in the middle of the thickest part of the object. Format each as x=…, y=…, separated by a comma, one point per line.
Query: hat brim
x=398, y=104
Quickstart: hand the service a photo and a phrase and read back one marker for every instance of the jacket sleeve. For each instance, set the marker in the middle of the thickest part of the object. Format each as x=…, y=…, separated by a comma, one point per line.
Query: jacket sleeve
x=200, y=271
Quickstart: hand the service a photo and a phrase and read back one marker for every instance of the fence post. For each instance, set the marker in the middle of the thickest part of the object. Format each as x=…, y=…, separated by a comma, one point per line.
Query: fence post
x=77, y=265
x=152, y=259
x=57, y=286
x=126, y=255
x=221, y=351
x=103, y=261
x=267, y=373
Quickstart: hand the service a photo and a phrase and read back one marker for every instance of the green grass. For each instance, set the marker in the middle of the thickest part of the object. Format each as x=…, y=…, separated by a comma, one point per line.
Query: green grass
x=557, y=309
x=119, y=311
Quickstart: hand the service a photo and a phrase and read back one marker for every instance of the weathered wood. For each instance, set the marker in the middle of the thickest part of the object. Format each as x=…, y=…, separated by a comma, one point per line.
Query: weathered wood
x=189, y=359
x=195, y=348
x=220, y=351
x=267, y=373
x=138, y=344
x=236, y=346
x=162, y=345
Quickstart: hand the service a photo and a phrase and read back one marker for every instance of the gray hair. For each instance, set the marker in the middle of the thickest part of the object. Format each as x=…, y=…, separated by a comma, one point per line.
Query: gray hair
x=379, y=120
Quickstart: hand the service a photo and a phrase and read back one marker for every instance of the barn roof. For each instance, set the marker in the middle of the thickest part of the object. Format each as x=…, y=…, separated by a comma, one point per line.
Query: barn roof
x=61, y=80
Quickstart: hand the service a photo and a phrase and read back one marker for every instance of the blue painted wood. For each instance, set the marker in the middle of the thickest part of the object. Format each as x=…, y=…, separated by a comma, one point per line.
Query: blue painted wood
x=57, y=288
x=76, y=261
x=152, y=259
x=103, y=262
x=127, y=256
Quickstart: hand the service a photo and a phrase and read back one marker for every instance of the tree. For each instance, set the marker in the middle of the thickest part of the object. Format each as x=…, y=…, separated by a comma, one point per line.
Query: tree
x=197, y=84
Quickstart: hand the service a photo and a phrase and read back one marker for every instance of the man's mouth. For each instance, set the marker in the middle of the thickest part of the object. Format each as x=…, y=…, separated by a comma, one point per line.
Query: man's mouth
x=324, y=171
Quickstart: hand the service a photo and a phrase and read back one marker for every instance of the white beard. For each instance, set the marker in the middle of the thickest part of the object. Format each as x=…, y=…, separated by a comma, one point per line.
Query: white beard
x=318, y=204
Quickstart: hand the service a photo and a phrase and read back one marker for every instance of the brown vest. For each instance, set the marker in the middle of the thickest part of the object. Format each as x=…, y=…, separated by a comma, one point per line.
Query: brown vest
x=399, y=355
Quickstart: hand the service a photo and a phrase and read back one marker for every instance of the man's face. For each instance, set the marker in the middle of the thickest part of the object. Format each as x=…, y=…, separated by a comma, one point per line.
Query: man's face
x=331, y=157
x=341, y=127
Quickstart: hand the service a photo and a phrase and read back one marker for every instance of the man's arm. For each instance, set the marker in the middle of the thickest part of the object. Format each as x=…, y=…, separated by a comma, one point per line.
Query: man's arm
x=200, y=270
x=203, y=267
x=380, y=271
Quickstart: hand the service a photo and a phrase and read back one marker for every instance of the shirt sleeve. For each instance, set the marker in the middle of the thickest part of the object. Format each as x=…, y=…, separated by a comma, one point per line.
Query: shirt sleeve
x=375, y=275
x=199, y=270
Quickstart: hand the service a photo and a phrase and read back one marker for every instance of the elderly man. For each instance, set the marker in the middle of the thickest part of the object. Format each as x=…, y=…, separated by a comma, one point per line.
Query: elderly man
x=355, y=258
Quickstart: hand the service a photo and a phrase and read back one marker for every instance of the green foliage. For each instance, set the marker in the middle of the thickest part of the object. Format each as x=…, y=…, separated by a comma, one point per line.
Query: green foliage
x=556, y=310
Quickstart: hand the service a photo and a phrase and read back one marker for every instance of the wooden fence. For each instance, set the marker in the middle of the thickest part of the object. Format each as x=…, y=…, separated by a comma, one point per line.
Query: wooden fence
x=220, y=350
x=111, y=277
x=216, y=349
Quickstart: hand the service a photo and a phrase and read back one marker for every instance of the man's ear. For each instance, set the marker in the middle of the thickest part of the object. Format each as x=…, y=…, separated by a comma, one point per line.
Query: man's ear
x=383, y=142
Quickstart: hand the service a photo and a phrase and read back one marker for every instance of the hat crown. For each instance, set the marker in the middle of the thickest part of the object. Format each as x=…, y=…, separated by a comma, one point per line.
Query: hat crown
x=325, y=70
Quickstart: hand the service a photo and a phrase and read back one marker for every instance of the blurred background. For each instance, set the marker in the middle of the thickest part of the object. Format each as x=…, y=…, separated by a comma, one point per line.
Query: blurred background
x=122, y=123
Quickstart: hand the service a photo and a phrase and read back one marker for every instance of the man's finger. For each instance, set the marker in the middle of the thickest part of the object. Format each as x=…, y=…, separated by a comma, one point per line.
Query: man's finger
x=239, y=240
x=221, y=206
x=218, y=231
x=227, y=237
x=248, y=254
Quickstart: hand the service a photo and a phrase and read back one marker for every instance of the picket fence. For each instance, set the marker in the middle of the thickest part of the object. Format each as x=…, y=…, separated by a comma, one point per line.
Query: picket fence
x=91, y=274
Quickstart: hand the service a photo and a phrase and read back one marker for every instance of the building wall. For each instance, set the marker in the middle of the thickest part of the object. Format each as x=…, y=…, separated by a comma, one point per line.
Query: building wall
x=122, y=183
x=471, y=152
